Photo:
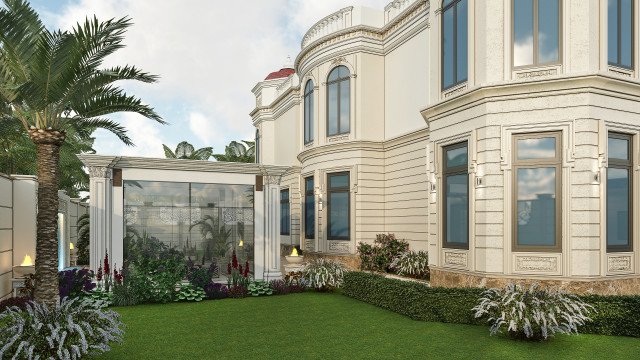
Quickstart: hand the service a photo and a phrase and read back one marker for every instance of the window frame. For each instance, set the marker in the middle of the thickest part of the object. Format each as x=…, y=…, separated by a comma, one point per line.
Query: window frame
x=309, y=192
x=453, y=7
x=257, y=147
x=286, y=203
x=555, y=162
x=619, y=37
x=616, y=163
x=339, y=189
x=446, y=172
x=338, y=81
x=308, y=113
x=535, y=14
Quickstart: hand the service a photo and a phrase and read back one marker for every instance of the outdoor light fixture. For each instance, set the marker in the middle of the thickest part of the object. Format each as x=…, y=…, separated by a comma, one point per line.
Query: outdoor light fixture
x=241, y=243
x=478, y=181
x=596, y=177
x=294, y=258
x=27, y=261
x=25, y=268
x=71, y=247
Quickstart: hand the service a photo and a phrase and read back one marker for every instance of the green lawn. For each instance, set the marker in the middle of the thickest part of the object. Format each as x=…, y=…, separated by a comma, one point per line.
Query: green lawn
x=328, y=326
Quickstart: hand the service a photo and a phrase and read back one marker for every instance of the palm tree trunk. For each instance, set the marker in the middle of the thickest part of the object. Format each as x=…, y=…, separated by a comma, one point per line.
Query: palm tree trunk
x=48, y=144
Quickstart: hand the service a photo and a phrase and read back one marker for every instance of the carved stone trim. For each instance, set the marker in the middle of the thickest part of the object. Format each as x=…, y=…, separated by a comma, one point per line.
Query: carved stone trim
x=99, y=172
x=62, y=206
x=338, y=138
x=536, y=73
x=457, y=259
x=339, y=60
x=619, y=263
x=536, y=264
x=272, y=180
x=621, y=72
x=308, y=245
x=456, y=91
x=338, y=246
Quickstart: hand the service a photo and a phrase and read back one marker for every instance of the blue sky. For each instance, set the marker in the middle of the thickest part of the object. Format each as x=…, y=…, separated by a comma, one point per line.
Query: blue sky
x=209, y=54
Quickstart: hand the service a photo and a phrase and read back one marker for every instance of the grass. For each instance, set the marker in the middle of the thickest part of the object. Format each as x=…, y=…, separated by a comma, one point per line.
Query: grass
x=321, y=326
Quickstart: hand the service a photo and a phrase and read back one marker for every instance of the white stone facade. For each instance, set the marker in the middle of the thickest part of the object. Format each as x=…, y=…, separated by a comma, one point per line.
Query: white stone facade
x=400, y=120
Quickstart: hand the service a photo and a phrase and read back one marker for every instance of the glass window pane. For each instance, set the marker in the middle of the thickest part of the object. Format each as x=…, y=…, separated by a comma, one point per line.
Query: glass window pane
x=339, y=215
x=461, y=44
x=333, y=75
x=448, y=43
x=536, y=199
x=309, y=87
x=618, y=148
x=523, y=32
x=446, y=2
x=457, y=208
x=343, y=72
x=617, y=207
x=309, y=217
x=626, y=33
x=311, y=117
x=338, y=181
x=284, y=219
x=548, y=26
x=612, y=31
x=344, y=106
x=333, y=109
x=456, y=157
x=537, y=148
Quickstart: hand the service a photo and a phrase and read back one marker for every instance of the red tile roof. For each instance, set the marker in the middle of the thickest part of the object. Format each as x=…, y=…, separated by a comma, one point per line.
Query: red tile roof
x=282, y=73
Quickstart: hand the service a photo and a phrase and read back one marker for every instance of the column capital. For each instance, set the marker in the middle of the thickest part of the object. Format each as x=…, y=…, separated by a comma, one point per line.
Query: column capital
x=100, y=172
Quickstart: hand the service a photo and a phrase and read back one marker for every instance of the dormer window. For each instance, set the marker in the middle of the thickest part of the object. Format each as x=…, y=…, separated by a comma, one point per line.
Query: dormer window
x=308, y=112
x=536, y=32
x=454, y=43
x=338, y=101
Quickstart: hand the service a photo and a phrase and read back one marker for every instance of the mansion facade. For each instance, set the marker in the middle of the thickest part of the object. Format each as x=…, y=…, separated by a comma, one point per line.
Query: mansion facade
x=501, y=136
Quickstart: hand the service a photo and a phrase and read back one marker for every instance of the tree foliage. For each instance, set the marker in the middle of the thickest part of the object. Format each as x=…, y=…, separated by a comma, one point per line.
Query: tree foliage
x=244, y=151
x=185, y=150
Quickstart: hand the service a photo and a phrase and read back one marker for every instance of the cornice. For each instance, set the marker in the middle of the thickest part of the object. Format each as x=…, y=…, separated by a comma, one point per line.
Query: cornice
x=357, y=145
x=600, y=83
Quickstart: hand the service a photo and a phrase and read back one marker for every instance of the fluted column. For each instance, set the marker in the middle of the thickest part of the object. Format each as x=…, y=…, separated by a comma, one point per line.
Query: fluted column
x=100, y=210
x=272, y=228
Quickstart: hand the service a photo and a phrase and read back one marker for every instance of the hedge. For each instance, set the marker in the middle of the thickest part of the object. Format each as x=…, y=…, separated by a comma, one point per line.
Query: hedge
x=617, y=315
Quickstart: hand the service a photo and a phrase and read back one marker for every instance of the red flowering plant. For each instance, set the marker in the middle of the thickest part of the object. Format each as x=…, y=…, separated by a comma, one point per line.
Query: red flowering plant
x=105, y=277
x=236, y=275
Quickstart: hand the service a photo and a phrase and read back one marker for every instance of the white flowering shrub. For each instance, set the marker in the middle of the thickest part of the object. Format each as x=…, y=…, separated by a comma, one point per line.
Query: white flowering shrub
x=532, y=313
x=323, y=274
x=71, y=330
x=412, y=263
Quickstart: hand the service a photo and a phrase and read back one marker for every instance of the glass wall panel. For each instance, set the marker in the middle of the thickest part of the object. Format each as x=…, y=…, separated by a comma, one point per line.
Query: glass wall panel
x=204, y=221
x=536, y=206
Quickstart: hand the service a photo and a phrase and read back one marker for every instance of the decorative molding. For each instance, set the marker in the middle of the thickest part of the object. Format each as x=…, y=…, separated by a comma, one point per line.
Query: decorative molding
x=619, y=263
x=308, y=245
x=338, y=138
x=272, y=180
x=338, y=246
x=621, y=72
x=99, y=172
x=338, y=60
x=456, y=91
x=62, y=206
x=457, y=259
x=536, y=264
x=536, y=73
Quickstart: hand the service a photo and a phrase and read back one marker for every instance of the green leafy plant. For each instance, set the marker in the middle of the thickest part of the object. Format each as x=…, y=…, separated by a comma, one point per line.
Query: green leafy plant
x=125, y=294
x=82, y=245
x=259, y=288
x=380, y=255
x=100, y=295
x=70, y=330
x=190, y=293
x=532, y=313
x=322, y=274
x=412, y=263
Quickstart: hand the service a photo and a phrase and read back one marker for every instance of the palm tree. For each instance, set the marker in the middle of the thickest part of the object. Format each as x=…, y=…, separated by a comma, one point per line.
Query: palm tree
x=238, y=152
x=54, y=84
x=184, y=150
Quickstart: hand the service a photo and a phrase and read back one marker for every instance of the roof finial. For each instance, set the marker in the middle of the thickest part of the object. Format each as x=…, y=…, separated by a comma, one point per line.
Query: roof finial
x=288, y=64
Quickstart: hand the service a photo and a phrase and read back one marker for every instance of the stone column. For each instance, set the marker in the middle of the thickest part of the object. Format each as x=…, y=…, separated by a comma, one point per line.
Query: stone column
x=64, y=229
x=100, y=212
x=272, y=228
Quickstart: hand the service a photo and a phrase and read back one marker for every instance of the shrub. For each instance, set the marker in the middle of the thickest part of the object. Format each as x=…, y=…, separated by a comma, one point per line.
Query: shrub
x=379, y=257
x=74, y=283
x=20, y=302
x=72, y=329
x=411, y=263
x=322, y=274
x=617, y=315
x=216, y=291
x=190, y=293
x=100, y=295
x=532, y=313
x=199, y=276
x=259, y=287
x=237, y=291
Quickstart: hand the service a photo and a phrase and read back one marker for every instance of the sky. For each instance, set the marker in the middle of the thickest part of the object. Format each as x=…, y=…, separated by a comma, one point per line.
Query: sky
x=209, y=54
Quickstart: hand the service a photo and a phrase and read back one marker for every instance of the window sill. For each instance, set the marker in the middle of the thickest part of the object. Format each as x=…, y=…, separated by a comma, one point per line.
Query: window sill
x=536, y=72
x=620, y=71
x=455, y=90
x=338, y=138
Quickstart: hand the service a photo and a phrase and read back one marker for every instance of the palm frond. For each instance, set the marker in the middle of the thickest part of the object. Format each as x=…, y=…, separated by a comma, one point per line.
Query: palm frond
x=109, y=125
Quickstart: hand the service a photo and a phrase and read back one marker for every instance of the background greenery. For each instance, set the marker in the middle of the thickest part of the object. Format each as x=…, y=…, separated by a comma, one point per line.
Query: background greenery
x=328, y=326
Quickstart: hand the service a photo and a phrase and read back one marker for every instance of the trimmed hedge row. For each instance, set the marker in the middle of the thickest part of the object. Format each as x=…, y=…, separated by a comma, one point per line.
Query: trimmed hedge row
x=617, y=315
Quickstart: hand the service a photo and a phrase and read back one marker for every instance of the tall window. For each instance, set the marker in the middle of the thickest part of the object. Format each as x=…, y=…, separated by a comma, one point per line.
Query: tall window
x=257, y=145
x=619, y=193
x=309, y=209
x=339, y=205
x=456, y=196
x=338, y=103
x=620, y=33
x=537, y=168
x=285, y=213
x=454, y=43
x=308, y=112
x=536, y=32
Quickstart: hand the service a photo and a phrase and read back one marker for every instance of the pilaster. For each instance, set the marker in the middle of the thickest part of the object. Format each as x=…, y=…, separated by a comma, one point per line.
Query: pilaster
x=100, y=210
x=272, y=228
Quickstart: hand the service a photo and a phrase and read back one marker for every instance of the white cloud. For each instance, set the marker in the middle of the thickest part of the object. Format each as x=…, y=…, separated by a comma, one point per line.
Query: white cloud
x=209, y=55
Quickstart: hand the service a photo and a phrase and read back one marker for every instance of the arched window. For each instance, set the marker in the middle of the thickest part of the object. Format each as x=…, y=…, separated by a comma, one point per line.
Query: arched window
x=308, y=112
x=257, y=145
x=338, y=101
